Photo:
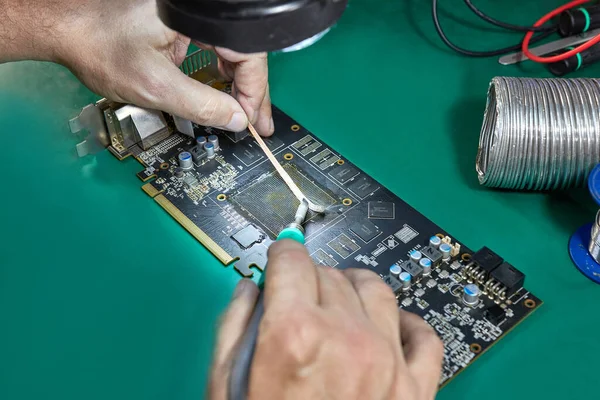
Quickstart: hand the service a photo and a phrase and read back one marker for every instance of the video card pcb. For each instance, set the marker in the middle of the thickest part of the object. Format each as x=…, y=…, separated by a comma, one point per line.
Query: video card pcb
x=221, y=188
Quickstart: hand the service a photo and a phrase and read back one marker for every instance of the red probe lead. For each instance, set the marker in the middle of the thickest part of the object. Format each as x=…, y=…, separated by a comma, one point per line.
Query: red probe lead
x=560, y=57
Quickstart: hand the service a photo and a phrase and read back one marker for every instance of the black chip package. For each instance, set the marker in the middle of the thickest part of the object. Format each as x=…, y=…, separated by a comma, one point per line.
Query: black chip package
x=344, y=173
x=248, y=236
x=248, y=153
x=486, y=259
x=414, y=269
x=509, y=276
x=393, y=283
x=495, y=314
x=382, y=210
x=365, y=230
x=363, y=187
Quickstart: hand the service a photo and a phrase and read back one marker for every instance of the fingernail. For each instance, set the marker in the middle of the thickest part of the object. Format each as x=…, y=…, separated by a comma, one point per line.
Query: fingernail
x=238, y=122
x=243, y=286
x=271, y=126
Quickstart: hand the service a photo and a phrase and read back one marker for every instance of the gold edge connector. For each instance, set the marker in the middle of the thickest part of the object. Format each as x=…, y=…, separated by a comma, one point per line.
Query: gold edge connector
x=196, y=232
x=151, y=190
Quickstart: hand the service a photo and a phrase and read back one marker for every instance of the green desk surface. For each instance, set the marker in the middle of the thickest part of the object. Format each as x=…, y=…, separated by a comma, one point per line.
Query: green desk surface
x=104, y=296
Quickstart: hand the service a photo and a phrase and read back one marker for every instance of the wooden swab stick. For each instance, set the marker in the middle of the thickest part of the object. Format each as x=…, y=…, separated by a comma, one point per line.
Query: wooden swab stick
x=284, y=175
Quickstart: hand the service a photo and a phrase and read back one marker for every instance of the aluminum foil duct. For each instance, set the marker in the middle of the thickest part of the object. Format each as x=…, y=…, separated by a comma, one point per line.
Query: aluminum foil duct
x=539, y=134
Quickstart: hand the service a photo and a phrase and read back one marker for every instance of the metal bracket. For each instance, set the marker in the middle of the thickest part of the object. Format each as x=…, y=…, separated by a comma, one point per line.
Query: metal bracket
x=91, y=120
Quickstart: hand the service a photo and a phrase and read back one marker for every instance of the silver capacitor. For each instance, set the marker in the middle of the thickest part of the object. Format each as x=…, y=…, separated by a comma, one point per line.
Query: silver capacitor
x=201, y=141
x=210, y=150
x=425, y=263
x=415, y=255
x=445, y=248
x=435, y=241
x=405, y=279
x=185, y=160
x=471, y=294
x=395, y=270
x=214, y=139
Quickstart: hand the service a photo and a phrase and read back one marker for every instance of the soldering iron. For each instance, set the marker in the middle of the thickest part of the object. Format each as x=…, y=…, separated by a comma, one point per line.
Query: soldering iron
x=252, y=26
x=240, y=373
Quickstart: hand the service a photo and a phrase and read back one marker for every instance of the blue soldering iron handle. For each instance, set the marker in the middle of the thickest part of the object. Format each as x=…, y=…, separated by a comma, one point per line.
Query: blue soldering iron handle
x=239, y=379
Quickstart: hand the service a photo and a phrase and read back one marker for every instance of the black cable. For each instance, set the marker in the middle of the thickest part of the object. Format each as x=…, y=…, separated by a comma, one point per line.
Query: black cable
x=518, y=28
x=490, y=53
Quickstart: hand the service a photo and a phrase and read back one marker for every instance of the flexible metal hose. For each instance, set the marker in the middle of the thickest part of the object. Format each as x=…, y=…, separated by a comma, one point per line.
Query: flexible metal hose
x=539, y=134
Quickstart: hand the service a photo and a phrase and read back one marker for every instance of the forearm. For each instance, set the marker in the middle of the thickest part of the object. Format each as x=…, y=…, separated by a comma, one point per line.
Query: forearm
x=33, y=29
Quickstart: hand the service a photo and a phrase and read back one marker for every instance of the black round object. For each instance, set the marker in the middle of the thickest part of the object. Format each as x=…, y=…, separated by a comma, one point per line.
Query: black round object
x=563, y=67
x=250, y=26
x=578, y=20
x=571, y=22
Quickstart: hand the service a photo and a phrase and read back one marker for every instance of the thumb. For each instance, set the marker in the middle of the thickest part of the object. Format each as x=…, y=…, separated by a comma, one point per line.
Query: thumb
x=187, y=98
x=233, y=326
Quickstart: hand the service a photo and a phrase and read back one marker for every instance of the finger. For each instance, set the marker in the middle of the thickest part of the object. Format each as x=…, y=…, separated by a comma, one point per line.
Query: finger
x=423, y=351
x=250, y=77
x=172, y=91
x=378, y=301
x=336, y=291
x=226, y=69
x=291, y=275
x=265, y=123
x=232, y=327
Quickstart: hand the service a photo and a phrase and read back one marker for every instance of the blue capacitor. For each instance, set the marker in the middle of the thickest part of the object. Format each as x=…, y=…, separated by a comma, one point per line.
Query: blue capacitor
x=445, y=248
x=425, y=263
x=210, y=150
x=435, y=241
x=395, y=270
x=405, y=280
x=214, y=139
x=471, y=294
x=415, y=255
x=201, y=141
x=185, y=160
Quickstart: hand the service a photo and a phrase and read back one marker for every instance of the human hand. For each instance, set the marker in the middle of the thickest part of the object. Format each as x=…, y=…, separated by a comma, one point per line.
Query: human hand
x=121, y=50
x=327, y=334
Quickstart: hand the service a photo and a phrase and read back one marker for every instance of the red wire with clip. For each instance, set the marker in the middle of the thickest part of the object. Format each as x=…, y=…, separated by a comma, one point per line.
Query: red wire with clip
x=560, y=57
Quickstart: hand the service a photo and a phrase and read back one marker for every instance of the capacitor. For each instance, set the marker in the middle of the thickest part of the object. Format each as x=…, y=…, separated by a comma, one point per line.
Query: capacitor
x=471, y=294
x=185, y=160
x=425, y=263
x=435, y=241
x=415, y=255
x=201, y=141
x=405, y=280
x=178, y=172
x=395, y=270
x=214, y=139
x=210, y=150
x=445, y=248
